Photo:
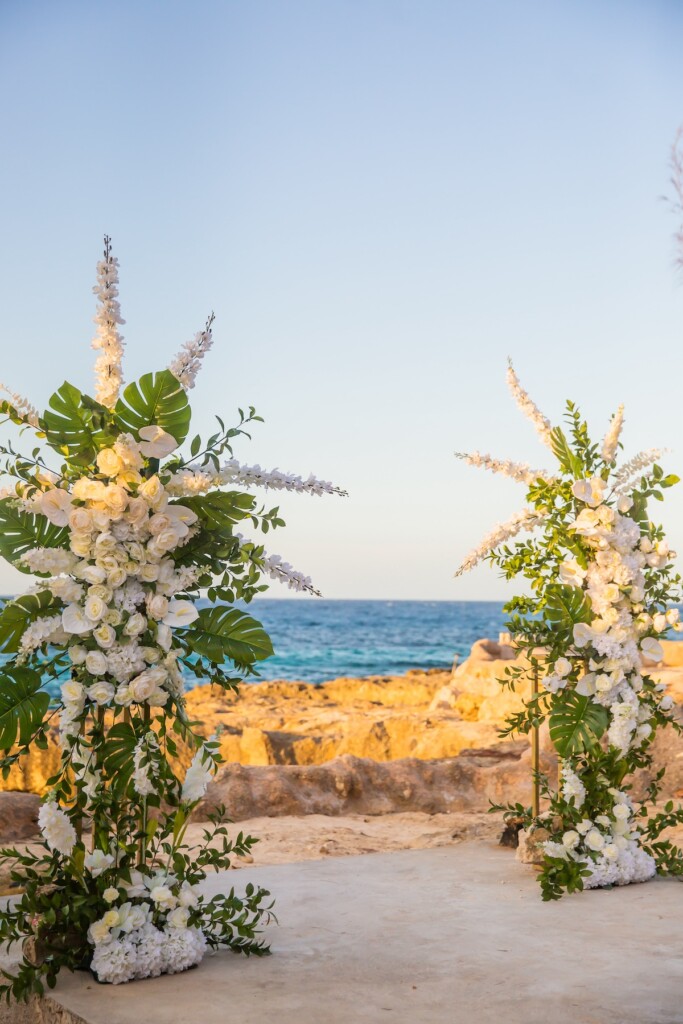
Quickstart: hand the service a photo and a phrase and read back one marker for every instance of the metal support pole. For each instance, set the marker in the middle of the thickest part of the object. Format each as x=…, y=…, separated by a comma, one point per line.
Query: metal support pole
x=535, y=755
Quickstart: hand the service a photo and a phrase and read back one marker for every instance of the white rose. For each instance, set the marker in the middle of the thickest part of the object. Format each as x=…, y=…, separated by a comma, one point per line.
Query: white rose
x=95, y=608
x=187, y=897
x=163, y=897
x=104, y=635
x=98, y=933
x=116, y=500
x=72, y=692
x=562, y=667
x=86, y=489
x=659, y=622
x=153, y=492
x=572, y=573
x=571, y=839
x=74, y=620
x=101, y=692
x=149, y=572
x=56, y=505
x=157, y=606
x=111, y=894
x=666, y=703
x=80, y=520
x=80, y=544
x=159, y=522
x=116, y=577
x=123, y=696
x=92, y=574
x=142, y=687
x=155, y=442
x=150, y=654
x=594, y=840
x=113, y=617
x=610, y=852
x=138, y=511
x=108, y=462
x=77, y=654
x=136, y=625
x=587, y=523
x=95, y=663
x=621, y=811
x=625, y=503
x=178, y=918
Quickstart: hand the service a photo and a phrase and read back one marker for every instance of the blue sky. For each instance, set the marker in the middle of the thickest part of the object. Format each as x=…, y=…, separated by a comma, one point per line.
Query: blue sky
x=381, y=201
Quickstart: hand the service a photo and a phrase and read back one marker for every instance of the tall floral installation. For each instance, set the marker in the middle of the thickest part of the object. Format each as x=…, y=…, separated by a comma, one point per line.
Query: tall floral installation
x=125, y=533
x=600, y=593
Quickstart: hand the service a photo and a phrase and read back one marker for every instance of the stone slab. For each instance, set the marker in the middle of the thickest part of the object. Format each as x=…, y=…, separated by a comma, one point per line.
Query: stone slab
x=421, y=937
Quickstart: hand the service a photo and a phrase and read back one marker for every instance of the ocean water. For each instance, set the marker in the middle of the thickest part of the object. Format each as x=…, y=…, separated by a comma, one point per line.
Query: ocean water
x=315, y=640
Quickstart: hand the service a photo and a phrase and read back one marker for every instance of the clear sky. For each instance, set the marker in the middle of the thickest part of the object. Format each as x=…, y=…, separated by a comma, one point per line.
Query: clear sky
x=380, y=200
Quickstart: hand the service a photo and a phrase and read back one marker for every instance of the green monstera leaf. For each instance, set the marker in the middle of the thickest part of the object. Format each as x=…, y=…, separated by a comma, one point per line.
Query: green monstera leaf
x=76, y=425
x=566, y=606
x=222, y=632
x=157, y=398
x=576, y=723
x=23, y=705
x=16, y=616
x=20, y=531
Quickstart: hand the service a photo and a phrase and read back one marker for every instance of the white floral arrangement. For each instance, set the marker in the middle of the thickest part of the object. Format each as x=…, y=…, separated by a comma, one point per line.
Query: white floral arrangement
x=125, y=533
x=602, y=595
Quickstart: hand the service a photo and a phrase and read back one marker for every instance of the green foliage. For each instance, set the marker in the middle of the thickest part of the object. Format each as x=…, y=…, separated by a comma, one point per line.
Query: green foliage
x=17, y=616
x=565, y=607
x=576, y=723
x=222, y=633
x=157, y=398
x=21, y=531
x=23, y=705
x=76, y=426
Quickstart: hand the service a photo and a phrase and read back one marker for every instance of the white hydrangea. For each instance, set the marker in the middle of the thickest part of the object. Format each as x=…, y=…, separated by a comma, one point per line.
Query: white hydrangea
x=56, y=828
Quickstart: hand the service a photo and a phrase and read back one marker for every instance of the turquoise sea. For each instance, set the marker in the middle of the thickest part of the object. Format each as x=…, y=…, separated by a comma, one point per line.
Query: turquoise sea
x=316, y=640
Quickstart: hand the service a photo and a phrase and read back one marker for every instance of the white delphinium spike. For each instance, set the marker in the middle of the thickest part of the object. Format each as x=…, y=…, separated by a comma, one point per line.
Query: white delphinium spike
x=22, y=405
x=188, y=361
x=624, y=479
x=527, y=519
x=281, y=571
x=518, y=471
x=197, y=481
x=611, y=439
x=529, y=408
x=108, y=372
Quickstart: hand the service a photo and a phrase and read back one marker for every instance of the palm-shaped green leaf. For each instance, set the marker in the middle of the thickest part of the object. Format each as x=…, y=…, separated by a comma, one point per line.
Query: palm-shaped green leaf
x=222, y=632
x=157, y=398
x=22, y=705
x=118, y=754
x=566, y=606
x=576, y=723
x=77, y=426
x=16, y=616
x=220, y=510
x=20, y=531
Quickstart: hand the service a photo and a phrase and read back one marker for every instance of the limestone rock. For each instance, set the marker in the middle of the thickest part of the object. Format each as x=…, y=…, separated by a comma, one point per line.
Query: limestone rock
x=18, y=816
x=530, y=848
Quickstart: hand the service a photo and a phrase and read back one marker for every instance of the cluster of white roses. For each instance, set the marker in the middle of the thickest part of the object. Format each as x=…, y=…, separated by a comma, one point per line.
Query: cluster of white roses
x=118, y=581
x=614, y=838
x=147, y=934
x=614, y=644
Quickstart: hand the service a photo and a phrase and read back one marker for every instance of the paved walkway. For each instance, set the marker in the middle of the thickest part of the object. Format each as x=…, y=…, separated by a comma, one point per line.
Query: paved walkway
x=443, y=936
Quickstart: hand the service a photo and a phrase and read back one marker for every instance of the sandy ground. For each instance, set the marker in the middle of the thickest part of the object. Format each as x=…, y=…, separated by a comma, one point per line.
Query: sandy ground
x=439, y=936
x=316, y=836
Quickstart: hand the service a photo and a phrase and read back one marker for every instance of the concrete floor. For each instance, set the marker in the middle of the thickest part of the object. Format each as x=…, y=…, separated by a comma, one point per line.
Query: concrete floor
x=443, y=936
